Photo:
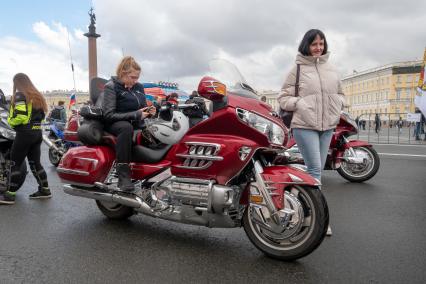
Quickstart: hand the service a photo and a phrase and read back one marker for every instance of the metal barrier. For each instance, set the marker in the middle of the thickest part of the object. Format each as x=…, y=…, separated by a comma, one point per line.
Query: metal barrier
x=392, y=129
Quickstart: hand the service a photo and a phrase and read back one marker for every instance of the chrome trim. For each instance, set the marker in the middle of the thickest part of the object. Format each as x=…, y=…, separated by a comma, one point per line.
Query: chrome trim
x=194, y=156
x=95, y=161
x=74, y=172
x=201, y=157
x=191, y=180
x=86, y=185
x=258, y=170
x=205, y=166
x=194, y=143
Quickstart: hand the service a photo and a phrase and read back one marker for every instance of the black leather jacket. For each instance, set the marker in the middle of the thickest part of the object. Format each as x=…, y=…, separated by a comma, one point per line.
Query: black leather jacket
x=120, y=103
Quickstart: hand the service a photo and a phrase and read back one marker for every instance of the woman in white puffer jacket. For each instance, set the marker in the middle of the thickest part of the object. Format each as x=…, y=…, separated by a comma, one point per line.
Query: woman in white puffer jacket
x=316, y=109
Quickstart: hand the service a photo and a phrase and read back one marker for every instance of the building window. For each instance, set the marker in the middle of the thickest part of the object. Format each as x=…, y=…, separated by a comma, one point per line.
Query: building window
x=408, y=78
x=398, y=94
x=398, y=79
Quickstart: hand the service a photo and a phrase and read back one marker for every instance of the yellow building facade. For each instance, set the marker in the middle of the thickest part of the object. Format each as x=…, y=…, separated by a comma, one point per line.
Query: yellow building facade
x=388, y=90
x=53, y=97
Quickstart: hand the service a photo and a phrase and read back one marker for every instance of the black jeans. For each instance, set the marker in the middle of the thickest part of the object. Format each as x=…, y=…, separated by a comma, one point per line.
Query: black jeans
x=27, y=144
x=124, y=132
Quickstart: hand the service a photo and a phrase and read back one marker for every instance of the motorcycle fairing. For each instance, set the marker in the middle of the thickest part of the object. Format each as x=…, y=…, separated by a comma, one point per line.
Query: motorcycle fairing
x=278, y=179
x=356, y=143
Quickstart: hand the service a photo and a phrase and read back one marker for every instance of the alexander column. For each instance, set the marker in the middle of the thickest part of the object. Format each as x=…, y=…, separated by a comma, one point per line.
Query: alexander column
x=92, y=35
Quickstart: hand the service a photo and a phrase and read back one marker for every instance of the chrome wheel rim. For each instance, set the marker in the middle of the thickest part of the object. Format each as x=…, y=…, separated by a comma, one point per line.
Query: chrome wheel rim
x=362, y=169
x=54, y=156
x=297, y=232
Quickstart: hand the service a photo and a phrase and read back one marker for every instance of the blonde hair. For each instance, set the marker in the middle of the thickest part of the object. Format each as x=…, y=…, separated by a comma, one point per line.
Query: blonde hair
x=22, y=83
x=126, y=65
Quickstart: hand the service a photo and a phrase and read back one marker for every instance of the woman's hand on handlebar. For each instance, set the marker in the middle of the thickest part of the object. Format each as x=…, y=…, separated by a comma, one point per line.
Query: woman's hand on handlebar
x=148, y=111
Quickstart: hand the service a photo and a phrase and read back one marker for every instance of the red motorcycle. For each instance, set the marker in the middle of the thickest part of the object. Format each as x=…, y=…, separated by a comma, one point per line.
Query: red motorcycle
x=354, y=160
x=219, y=173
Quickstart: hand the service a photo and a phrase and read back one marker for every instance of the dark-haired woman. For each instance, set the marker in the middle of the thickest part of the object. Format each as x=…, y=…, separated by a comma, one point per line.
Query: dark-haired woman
x=316, y=110
x=27, y=110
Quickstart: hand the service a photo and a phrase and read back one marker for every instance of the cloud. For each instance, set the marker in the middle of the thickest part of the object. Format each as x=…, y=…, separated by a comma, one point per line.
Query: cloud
x=174, y=40
x=47, y=61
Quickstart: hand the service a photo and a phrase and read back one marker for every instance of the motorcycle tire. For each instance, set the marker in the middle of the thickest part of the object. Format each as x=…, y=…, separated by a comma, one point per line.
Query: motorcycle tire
x=54, y=157
x=345, y=170
x=114, y=210
x=303, y=241
x=18, y=180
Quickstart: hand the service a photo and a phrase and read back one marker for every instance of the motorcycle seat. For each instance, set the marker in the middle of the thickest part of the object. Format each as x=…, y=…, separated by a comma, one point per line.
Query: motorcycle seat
x=111, y=140
x=140, y=154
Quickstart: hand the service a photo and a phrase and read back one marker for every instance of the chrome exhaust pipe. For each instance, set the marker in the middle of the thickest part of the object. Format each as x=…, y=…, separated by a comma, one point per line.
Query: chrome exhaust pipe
x=50, y=144
x=136, y=202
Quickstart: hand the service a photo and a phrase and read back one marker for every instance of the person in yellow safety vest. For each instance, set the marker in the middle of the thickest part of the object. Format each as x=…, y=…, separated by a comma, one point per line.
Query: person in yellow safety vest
x=27, y=111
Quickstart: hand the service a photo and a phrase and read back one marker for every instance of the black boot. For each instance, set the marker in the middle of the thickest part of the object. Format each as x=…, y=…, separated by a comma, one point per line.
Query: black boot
x=124, y=181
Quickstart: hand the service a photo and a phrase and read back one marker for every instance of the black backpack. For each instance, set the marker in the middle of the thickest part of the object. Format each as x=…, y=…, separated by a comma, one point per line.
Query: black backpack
x=55, y=114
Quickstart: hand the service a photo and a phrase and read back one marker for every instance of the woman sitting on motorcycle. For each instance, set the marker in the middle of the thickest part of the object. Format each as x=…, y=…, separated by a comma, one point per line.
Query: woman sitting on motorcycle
x=124, y=107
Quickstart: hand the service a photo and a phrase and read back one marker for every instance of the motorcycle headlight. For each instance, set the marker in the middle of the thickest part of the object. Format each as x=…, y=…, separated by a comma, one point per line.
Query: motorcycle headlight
x=7, y=133
x=273, y=131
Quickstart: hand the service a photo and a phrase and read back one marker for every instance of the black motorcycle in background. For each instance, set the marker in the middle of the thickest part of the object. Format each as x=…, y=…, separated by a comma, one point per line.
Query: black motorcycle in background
x=7, y=136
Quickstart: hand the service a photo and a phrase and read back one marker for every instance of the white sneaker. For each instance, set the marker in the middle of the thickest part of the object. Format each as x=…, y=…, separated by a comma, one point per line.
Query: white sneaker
x=329, y=232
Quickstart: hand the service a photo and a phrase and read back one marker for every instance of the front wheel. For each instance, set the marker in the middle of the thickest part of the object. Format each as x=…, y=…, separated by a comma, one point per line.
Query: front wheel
x=114, y=210
x=365, y=170
x=299, y=234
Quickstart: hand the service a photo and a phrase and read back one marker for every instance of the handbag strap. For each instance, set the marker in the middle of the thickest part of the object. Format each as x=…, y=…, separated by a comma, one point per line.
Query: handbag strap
x=296, y=86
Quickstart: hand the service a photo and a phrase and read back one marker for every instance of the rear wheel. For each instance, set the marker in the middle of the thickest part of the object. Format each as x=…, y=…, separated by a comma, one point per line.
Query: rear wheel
x=115, y=210
x=303, y=232
x=359, y=172
x=54, y=157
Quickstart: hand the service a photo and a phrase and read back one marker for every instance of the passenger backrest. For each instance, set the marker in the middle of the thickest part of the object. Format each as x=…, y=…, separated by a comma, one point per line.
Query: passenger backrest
x=97, y=86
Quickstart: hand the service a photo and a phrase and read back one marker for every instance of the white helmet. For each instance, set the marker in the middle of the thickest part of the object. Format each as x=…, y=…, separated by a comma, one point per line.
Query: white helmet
x=169, y=132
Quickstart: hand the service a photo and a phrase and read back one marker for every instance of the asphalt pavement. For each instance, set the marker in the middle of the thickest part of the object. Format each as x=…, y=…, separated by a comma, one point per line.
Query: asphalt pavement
x=379, y=237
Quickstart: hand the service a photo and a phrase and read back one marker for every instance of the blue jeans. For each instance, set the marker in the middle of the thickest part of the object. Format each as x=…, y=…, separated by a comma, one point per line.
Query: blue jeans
x=313, y=145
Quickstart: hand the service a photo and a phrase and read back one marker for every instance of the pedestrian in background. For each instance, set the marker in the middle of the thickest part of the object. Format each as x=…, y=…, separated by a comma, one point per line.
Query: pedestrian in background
x=27, y=110
x=196, y=115
x=378, y=123
x=58, y=115
x=316, y=110
x=173, y=99
x=399, y=124
x=419, y=130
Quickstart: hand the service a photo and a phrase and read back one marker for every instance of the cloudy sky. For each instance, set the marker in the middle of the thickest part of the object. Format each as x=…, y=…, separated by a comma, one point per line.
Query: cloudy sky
x=174, y=40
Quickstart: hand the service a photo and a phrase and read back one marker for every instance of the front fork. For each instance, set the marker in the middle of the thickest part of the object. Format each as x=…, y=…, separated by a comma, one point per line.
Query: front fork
x=280, y=218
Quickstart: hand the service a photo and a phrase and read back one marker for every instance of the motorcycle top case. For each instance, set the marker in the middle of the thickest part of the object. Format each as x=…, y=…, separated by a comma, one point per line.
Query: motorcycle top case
x=85, y=165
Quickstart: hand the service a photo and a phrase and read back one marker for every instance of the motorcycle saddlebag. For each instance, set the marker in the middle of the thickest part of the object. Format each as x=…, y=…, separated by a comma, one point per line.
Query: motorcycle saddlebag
x=85, y=165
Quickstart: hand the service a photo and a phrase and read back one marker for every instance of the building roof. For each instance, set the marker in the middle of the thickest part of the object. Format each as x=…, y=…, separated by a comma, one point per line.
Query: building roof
x=396, y=68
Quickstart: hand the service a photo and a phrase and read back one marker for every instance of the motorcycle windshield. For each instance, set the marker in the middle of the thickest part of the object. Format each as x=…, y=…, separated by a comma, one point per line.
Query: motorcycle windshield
x=227, y=73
